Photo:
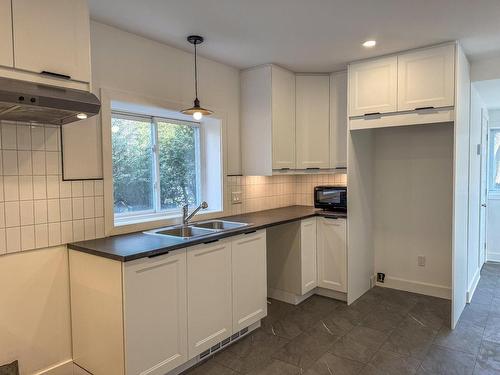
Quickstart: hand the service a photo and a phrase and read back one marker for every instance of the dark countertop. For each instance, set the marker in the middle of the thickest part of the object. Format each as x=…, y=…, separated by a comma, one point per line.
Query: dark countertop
x=127, y=247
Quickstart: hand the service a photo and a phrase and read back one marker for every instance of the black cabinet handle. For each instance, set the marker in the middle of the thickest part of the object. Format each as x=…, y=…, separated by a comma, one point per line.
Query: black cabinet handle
x=331, y=217
x=371, y=114
x=205, y=243
x=313, y=169
x=55, y=75
x=250, y=232
x=284, y=169
x=422, y=108
x=158, y=255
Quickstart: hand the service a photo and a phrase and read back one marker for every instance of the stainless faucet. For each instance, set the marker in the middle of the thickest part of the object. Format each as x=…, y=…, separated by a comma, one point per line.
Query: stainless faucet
x=185, y=212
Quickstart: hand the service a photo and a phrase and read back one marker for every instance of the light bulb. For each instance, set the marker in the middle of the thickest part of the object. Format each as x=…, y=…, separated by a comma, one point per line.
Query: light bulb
x=197, y=116
x=370, y=43
x=81, y=116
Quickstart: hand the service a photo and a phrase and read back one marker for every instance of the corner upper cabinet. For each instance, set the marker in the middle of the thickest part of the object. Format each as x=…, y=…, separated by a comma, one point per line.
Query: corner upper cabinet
x=6, y=41
x=373, y=86
x=267, y=120
x=426, y=78
x=52, y=36
x=338, y=120
x=312, y=108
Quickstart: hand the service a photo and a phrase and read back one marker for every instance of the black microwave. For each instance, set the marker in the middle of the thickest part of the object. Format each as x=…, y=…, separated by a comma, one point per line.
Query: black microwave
x=331, y=198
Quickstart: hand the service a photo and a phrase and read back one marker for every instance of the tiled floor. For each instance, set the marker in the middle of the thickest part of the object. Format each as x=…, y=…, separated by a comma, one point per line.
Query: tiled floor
x=384, y=332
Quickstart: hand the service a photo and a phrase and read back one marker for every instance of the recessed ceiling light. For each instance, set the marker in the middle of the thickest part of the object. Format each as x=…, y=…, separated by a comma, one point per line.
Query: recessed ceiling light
x=370, y=43
x=81, y=116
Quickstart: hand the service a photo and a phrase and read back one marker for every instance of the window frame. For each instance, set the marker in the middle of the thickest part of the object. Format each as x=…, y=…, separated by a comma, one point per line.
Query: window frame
x=492, y=167
x=125, y=218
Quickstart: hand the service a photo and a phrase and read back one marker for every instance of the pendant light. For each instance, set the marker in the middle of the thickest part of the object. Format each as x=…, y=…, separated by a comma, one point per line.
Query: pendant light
x=196, y=110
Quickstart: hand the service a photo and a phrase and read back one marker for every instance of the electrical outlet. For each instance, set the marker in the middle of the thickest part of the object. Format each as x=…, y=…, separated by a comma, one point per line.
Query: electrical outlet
x=421, y=261
x=236, y=197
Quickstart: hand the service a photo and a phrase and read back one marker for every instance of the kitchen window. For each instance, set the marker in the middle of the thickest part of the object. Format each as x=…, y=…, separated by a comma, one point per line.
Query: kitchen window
x=494, y=164
x=156, y=166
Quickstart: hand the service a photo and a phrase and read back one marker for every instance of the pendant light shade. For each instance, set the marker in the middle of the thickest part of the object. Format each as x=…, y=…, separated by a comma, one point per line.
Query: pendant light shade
x=196, y=110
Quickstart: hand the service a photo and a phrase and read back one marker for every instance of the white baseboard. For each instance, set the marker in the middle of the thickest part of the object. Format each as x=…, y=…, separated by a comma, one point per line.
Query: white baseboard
x=288, y=297
x=492, y=256
x=331, y=294
x=419, y=287
x=473, y=285
x=61, y=368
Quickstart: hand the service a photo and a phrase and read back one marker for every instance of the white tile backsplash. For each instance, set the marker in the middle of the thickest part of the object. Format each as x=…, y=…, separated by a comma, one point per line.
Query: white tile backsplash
x=37, y=208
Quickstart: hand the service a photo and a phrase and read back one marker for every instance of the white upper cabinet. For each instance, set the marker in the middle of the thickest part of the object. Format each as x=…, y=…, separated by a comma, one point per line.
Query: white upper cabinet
x=312, y=108
x=338, y=120
x=155, y=313
x=373, y=86
x=267, y=120
x=332, y=254
x=308, y=255
x=52, y=36
x=209, y=294
x=283, y=118
x=6, y=42
x=249, y=279
x=426, y=78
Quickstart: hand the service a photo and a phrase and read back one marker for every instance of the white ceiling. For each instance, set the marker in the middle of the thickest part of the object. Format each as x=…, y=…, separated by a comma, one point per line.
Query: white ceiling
x=489, y=92
x=307, y=35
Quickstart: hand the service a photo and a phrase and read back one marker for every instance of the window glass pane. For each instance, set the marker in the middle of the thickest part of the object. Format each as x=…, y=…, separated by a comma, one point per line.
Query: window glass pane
x=132, y=164
x=179, y=166
x=495, y=159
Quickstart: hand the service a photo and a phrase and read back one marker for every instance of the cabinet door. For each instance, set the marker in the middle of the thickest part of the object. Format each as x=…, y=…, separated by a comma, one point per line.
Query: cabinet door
x=283, y=118
x=209, y=296
x=6, y=42
x=312, y=121
x=426, y=78
x=373, y=86
x=155, y=313
x=249, y=279
x=52, y=36
x=332, y=254
x=308, y=254
x=338, y=120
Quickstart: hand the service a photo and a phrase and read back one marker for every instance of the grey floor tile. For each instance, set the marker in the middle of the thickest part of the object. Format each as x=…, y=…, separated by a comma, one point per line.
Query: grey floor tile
x=304, y=319
x=388, y=363
x=210, y=367
x=488, y=360
x=330, y=364
x=466, y=337
x=411, y=338
x=321, y=305
x=443, y=361
x=285, y=327
x=483, y=296
x=492, y=329
x=495, y=306
x=383, y=318
x=275, y=367
x=343, y=319
x=360, y=344
x=430, y=315
x=476, y=313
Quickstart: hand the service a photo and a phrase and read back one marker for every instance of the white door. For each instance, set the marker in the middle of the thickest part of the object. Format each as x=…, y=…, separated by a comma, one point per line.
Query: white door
x=373, y=86
x=155, y=313
x=309, y=275
x=426, y=78
x=52, y=36
x=332, y=254
x=338, y=120
x=209, y=295
x=484, y=188
x=312, y=98
x=249, y=279
x=283, y=118
x=6, y=42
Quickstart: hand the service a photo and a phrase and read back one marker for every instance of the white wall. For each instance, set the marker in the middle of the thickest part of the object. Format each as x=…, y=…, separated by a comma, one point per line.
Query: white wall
x=473, y=248
x=485, y=69
x=413, y=174
x=493, y=219
x=127, y=62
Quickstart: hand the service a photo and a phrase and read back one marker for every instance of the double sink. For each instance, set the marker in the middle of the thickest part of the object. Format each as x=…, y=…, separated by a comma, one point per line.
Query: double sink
x=202, y=228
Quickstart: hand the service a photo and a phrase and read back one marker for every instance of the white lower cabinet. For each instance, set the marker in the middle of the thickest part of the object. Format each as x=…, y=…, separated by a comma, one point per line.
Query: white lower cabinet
x=332, y=254
x=308, y=254
x=155, y=314
x=249, y=279
x=209, y=295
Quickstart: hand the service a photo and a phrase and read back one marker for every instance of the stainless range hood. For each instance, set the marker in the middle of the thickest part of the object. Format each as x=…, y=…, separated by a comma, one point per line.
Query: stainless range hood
x=34, y=102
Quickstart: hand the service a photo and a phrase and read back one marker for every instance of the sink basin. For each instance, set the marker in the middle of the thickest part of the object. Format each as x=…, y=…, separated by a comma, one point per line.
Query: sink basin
x=184, y=232
x=219, y=225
